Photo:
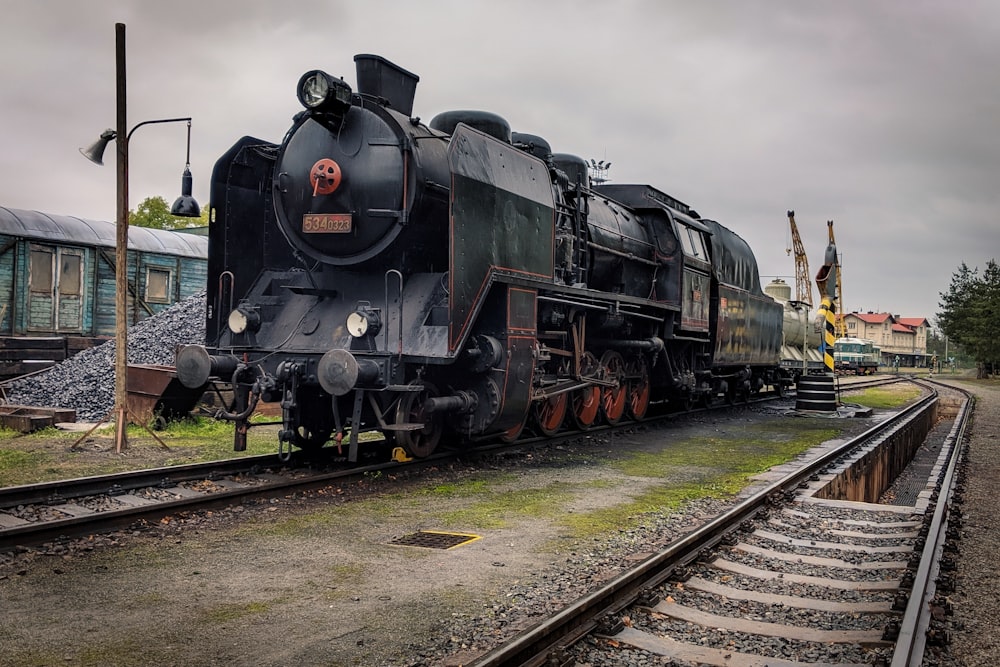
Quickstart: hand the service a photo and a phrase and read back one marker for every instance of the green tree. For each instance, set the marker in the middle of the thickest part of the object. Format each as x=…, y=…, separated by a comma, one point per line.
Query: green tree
x=155, y=212
x=970, y=310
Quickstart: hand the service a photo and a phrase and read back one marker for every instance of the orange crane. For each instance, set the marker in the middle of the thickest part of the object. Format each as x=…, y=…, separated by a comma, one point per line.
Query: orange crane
x=803, y=284
x=840, y=324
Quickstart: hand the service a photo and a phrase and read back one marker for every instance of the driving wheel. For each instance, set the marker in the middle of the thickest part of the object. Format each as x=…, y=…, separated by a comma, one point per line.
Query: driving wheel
x=586, y=402
x=638, y=389
x=421, y=429
x=549, y=414
x=614, y=399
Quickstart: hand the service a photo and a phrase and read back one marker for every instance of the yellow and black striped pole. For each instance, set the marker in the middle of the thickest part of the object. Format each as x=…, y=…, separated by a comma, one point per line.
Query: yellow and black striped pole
x=826, y=280
x=828, y=311
x=819, y=392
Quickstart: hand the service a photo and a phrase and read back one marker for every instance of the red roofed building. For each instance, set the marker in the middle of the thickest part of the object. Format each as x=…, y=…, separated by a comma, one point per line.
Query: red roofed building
x=902, y=336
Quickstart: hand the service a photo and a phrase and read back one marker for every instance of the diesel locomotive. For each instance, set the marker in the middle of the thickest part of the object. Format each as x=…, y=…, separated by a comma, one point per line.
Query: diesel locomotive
x=372, y=272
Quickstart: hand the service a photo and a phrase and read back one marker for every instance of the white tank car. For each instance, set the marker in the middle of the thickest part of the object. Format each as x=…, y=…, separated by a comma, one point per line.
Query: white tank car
x=798, y=325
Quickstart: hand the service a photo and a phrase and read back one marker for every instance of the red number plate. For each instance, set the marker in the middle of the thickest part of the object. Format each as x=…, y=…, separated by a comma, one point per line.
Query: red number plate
x=326, y=223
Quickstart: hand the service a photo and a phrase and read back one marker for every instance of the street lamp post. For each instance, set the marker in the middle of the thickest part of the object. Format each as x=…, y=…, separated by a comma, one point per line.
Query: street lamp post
x=184, y=206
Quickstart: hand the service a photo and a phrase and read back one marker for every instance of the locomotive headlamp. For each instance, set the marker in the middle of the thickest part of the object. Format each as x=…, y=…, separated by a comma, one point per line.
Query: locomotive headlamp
x=243, y=319
x=364, y=322
x=318, y=90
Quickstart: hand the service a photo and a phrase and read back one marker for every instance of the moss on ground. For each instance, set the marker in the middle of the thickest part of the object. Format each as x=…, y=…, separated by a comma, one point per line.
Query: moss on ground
x=885, y=398
x=53, y=454
x=499, y=509
x=234, y=611
x=700, y=467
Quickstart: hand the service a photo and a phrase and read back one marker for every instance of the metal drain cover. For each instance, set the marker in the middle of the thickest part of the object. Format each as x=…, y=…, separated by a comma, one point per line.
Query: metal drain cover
x=432, y=539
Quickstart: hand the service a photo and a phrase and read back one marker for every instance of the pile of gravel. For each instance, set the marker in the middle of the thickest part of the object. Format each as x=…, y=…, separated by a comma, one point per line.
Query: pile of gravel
x=86, y=381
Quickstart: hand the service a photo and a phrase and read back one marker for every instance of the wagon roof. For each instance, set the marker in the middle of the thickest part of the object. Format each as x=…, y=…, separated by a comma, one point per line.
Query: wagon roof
x=78, y=231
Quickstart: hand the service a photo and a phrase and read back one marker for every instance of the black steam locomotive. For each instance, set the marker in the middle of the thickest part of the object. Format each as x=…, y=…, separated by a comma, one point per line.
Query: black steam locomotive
x=372, y=272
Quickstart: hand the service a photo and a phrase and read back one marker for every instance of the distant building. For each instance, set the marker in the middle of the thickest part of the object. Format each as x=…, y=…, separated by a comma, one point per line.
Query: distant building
x=895, y=335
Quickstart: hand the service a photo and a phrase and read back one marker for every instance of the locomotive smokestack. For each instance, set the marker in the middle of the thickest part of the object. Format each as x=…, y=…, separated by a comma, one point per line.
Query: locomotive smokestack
x=380, y=78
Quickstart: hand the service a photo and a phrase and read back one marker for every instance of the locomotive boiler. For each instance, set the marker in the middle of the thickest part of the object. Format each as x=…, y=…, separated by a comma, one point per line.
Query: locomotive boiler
x=375, y=273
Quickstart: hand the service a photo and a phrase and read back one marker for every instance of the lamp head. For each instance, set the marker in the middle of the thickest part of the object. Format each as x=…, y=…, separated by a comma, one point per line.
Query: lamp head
x=185, y=206
x=95, y=152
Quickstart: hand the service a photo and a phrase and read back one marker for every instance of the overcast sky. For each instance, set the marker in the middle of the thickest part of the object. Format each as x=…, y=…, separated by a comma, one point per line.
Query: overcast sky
x=881, y=116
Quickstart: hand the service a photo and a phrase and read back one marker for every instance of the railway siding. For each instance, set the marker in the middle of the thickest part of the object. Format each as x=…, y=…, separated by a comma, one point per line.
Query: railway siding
x=825, y=582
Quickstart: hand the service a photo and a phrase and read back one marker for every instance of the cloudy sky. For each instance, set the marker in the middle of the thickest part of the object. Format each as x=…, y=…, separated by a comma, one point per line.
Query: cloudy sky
x=881, y=116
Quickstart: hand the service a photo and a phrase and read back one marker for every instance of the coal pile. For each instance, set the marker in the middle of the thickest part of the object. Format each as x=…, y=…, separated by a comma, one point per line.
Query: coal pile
x=86, y=381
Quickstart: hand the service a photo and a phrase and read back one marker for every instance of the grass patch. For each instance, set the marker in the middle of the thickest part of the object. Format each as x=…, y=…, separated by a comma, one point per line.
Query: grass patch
x=701, y=467
x=468, y=488
x=52, y=454
x=17, y=463
x=122, y=653
x=885, y=398
x=479, y=505
x=661, y=498
x=201, y=439
x=738, y=451
x=224, y=613
x=500, y=507
x=345, y=580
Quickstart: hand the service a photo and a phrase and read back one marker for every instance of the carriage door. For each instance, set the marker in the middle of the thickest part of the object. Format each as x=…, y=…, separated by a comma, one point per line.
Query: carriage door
x=55, y=289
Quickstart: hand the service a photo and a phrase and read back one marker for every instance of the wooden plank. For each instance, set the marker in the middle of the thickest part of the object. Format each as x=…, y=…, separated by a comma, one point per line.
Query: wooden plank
x=854, y=522
x=857, y=534
x=765, y=629
x=835, y=546
x=818, y=560
x=34, y=354
x=705, y=655
x=26, y=419
x=58, y=414
x=840, y=584
x=134, y=501
x=856, y=506
x=25, y=423
x=32, y=342
x=798, y=602
x=76, y=344
x=73, y=509
x=12, y=369
x=11, y=521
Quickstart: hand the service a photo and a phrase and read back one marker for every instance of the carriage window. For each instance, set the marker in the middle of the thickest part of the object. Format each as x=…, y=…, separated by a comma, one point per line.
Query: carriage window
x=693, y=242
x=158, y=286
x=41, y=270
x=69, y=274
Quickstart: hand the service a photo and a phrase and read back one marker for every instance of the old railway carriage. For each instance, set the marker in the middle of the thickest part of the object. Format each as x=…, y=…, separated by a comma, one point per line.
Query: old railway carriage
x=57, y=283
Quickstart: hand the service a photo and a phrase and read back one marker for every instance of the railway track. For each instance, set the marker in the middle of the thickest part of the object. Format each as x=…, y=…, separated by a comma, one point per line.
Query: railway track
x=38, y=513
x=811, y=569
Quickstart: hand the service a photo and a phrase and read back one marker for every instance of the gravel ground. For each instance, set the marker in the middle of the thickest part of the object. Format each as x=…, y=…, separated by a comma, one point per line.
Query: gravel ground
x=202, y=590
x=314, y=580
x=975, y=625
x=86, y=381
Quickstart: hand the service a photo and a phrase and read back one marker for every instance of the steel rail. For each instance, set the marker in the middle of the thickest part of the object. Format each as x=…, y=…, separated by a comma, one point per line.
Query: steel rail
x=910, y=645
x=43, y=531
x=67, y=489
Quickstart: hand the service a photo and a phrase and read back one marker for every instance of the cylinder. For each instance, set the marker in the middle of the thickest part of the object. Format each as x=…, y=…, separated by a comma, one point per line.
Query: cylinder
x=195, y=365
x=816, y=392
x=339, y=372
